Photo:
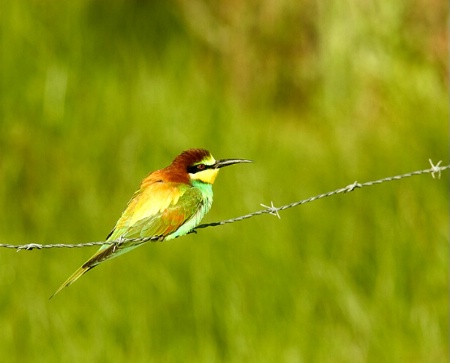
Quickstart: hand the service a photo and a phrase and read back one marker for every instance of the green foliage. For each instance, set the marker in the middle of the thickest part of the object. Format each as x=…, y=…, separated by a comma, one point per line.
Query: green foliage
x=94, y=95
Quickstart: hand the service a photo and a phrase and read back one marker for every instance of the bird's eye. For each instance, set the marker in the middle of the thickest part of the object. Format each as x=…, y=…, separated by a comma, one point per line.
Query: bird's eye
x=196, y=168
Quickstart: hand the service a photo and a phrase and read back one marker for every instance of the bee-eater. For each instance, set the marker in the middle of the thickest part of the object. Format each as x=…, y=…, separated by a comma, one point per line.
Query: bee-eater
x=170, y=203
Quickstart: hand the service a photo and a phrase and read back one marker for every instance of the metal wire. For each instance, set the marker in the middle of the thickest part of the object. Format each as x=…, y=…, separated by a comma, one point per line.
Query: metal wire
x=434, y=170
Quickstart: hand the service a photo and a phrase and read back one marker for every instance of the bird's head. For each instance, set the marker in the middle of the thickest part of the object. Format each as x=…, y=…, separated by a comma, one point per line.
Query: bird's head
x=200, y=165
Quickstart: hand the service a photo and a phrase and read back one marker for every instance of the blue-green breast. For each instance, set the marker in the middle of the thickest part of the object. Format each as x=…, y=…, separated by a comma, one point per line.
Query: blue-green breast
x=200, y=200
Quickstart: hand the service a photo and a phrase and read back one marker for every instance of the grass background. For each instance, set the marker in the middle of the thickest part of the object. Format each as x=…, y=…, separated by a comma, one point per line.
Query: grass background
x=94, y=95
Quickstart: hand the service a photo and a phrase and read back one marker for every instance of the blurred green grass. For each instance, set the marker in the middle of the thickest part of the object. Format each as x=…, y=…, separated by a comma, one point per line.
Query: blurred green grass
x=95, y=95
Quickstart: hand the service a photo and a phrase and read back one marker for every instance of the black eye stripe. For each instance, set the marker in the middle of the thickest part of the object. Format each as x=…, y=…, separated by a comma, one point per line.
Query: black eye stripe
x=199, y=167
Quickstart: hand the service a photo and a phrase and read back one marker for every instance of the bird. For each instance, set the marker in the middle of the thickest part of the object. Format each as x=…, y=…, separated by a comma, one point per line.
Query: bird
x=169, y=203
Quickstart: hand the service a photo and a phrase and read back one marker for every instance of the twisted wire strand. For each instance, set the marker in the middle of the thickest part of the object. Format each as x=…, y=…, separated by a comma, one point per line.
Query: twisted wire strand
x=435, y=169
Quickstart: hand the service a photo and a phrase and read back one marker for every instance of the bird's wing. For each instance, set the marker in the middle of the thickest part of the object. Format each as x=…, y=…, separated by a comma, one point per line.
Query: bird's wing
x=168, y=220
x=158, y=211
x=143, y=218
x=177, y=206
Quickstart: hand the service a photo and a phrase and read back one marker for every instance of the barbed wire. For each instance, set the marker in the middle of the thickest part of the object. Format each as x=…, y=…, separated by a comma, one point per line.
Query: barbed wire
x=435, y=169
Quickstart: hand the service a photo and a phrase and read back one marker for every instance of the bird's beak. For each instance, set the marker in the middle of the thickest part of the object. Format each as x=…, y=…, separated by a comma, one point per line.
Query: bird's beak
x=226, y=162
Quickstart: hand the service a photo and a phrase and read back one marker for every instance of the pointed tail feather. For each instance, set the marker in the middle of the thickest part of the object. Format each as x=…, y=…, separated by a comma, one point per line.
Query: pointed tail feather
x=74, y=277
x=100, y=256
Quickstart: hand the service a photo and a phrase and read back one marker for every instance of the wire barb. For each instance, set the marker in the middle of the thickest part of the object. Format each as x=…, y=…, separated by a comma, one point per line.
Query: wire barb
x=352, y=187
x=435, y=169
x=272, y=209
x=29, y=247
